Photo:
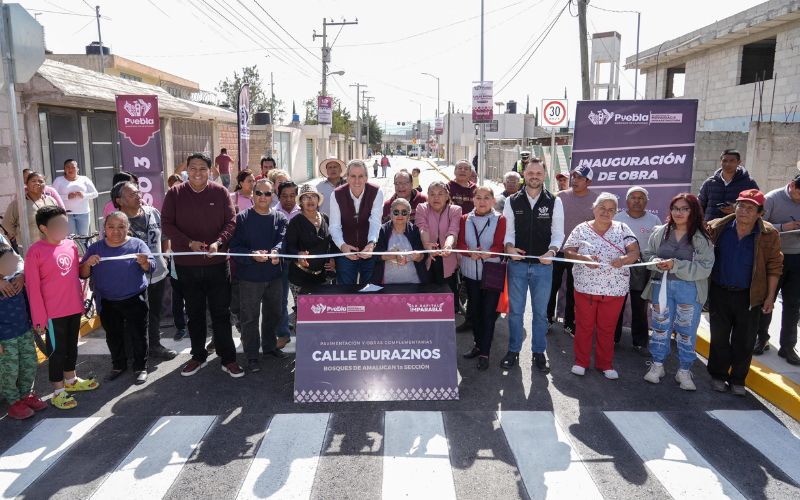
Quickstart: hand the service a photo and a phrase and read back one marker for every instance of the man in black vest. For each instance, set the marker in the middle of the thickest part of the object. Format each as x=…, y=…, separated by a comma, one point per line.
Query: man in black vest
x=355, y=220
x=534, y=227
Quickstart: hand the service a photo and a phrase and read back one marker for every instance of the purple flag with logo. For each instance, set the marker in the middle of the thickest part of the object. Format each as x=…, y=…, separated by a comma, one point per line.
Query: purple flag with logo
x=645, y=143
x=140, y=144
x=243, y=107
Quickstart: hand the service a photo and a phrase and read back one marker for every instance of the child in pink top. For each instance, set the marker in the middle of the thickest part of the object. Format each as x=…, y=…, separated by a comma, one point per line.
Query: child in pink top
x=54, y=293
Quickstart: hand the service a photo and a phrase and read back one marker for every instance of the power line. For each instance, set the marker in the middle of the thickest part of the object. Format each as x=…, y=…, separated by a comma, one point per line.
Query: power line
x=69, y=14
x=257, y=32
x=285, y=31
x=154, y=6
x=615, y=11
x=532, y=40
x=542, y=39
x=313, y=67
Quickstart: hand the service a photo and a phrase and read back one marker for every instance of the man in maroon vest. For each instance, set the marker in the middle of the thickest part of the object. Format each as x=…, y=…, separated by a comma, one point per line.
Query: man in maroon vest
x=355, y=219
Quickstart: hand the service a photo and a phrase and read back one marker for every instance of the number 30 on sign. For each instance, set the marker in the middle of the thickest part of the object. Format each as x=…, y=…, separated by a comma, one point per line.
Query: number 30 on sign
x=555, y=112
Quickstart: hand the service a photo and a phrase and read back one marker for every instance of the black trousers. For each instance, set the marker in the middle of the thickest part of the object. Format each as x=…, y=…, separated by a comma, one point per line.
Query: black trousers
x=126, y=319
x=483, y=314
x=569, y=310
x=178, y=312
x=155, y=296
x=436, y=275
x=789, y=286
x=62, y=344
x=210, y=285
x=733, y=333
x=639, y=326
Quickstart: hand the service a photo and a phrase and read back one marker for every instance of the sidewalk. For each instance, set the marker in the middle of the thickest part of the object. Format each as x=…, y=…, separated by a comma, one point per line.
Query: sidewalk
x=771, y=377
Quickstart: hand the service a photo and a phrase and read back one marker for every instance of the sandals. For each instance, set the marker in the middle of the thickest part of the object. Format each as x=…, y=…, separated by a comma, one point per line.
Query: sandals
x=64, y=401
x=81, y=385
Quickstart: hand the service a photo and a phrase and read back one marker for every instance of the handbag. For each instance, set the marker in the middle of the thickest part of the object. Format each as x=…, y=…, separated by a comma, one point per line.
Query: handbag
x=494, y=273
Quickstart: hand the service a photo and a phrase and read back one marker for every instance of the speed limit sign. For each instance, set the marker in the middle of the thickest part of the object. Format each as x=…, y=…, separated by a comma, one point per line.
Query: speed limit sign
x=554, y=112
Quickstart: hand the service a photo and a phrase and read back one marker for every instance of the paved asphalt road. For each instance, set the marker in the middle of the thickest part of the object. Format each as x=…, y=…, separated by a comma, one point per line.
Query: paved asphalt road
x=514, y=434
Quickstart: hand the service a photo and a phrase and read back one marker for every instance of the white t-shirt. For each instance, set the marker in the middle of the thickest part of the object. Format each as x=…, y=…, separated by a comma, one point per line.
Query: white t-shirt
x=604, y=280
x=642, y=227
x=82, y=184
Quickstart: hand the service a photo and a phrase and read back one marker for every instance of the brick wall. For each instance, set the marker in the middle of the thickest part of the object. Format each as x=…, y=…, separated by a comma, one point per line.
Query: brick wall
x=712, y=77
x=708, y=147
x=228, y=138
x=774, y=153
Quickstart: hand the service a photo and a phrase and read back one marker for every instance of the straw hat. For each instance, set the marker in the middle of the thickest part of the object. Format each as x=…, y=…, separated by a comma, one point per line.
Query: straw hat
x=308, y=189
x=324, y=163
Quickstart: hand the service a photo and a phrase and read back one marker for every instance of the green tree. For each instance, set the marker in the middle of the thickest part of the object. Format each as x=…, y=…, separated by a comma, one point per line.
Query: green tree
x=375, y=132
x=259, y=98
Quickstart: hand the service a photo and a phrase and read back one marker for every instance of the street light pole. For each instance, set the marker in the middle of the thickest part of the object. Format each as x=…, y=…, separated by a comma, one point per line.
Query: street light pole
x=419, y=128
x=326, y=51
x=357, y=152
x=437, y=106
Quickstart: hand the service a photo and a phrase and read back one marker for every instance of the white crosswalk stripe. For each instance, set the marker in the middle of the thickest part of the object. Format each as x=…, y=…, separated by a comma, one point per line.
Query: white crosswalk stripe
x=679, y=467
x=39, y=450
x=416, y=459
x=287, y=459
x=765, y=434
x=546, y=458
x=152, y=466
x=419, y=459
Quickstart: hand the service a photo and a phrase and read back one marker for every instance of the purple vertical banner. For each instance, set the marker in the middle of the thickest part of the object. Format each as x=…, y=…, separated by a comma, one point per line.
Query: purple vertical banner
x=140, y=144
x=243, y=110
x=644, y=143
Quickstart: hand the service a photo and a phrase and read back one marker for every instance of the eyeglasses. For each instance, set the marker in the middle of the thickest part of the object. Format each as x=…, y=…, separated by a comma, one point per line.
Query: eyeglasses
x=681, y=210
x=262, y=193
x=404, y=213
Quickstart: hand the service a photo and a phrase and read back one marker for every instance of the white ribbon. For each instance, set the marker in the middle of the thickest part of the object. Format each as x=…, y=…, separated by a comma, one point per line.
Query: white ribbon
x=345, y=254
x=662, y=292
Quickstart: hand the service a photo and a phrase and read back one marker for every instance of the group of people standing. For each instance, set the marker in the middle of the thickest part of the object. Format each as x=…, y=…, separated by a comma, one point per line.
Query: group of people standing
x=732, y=262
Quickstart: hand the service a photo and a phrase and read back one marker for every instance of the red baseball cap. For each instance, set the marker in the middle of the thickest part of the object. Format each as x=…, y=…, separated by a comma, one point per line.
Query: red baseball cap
x=753, y=196
x=560, y=175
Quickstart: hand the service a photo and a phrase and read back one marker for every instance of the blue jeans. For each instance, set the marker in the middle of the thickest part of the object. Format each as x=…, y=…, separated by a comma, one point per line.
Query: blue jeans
x=283, y=326
x=79, y=224
x=538, y=278
x=348, y=271
x=682, y=316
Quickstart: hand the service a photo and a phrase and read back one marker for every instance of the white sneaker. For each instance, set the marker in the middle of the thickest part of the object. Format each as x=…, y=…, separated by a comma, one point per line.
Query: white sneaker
x=578, y=370
x=611, y=374
x=655, y=373
x=684, y=377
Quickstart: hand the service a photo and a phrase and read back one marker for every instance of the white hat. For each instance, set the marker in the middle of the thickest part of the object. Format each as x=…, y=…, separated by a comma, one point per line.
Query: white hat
x=637, y=189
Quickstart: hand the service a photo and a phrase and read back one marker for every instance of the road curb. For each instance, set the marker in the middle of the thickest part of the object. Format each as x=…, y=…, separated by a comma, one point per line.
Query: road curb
x=436, y=167
x=770, y=385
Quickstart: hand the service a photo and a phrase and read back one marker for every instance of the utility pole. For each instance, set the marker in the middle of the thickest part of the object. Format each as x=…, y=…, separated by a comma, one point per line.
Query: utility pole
x=448, y=131
x=326, y=51
x=100, y=39
x=636, y=79
x=367, y=100
x=482, y=143
x=584, y=47
x=358, y=118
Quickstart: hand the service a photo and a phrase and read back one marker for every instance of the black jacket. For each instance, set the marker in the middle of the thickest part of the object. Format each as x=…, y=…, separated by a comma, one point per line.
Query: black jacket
x=413, y=235
x=302, y=236
x=714, y=191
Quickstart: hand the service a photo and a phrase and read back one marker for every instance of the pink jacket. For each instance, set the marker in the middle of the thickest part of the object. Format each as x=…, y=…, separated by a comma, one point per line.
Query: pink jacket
x=438, y=227
x=52, y=282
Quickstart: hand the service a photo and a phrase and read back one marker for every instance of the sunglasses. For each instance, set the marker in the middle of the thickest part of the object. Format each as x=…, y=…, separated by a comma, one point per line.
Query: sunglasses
x=262, y=193
x=404, y=213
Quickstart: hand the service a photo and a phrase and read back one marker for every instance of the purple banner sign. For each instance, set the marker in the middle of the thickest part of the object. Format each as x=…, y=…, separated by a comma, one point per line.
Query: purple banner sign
x=645, y=143
x=243, y=111
x=140, y=144
x=375, y=347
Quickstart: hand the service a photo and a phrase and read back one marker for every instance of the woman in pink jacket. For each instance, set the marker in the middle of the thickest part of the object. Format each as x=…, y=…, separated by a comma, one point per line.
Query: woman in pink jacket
x=54, y=293
x=438, y=221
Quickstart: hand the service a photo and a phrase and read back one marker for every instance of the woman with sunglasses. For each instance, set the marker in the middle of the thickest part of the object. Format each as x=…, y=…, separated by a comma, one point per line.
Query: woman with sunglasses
x=399, y=235
x=682, y=250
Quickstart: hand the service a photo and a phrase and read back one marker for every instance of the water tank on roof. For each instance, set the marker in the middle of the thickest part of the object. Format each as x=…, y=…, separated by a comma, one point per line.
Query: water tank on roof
x=262, y=118
x=94, y=49
x=511, y=107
